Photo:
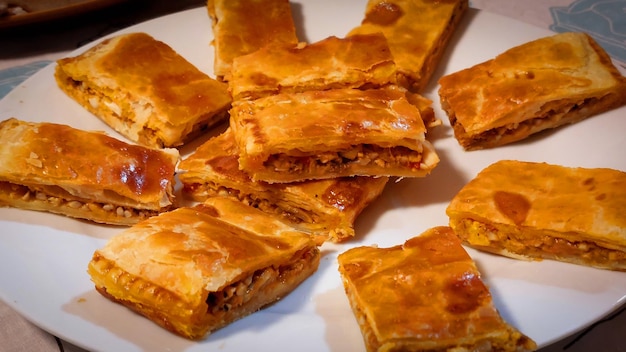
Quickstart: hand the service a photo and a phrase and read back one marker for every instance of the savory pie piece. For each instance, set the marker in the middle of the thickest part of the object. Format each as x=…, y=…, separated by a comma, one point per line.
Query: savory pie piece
x=144, y=90
x=418, y=31
x=82, y=174
x=425, y=295
x=196, y=269
x=324, y=208
x=529, y=210
x=333, y=133
x=359, y=61
x=242, y=27
x=542, y=84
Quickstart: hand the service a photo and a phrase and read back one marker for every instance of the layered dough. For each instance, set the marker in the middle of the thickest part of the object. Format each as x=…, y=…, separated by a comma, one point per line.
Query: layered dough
x=333, y=133
x=538, y=85
x=195, y=270
x=418, y=31
x=425, y=295
x=530, y=210
x=325, y=208
x=144, y=90
x=242, y=27
x=88, y=175
x=359, y=61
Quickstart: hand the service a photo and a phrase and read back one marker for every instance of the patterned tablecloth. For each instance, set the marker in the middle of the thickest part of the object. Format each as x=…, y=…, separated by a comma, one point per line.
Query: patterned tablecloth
x=24, y=52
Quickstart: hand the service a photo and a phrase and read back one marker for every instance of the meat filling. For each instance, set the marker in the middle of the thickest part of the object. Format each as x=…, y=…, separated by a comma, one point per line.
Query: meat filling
x=536, y=245
x=261, y=281
x=25, y=195
x=364, y=155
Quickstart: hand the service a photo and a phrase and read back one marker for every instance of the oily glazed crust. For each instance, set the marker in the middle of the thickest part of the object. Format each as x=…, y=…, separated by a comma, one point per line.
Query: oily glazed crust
x=424, y=295
x=242, y=27
x=529, y=202
x=326, y=208
x=173, y=267
x=310, y=126
x=45, y=167
x=144, y=90
x=567, y=78
x=354, y=62
x=417, y=49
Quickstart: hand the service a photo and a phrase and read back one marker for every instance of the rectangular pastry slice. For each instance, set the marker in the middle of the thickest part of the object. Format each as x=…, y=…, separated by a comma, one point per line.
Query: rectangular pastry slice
x=326, y=208
x=529, y=210
x=425, y=295
x=360, y=61
x=542, y=84
x=195, y=270
x=81, y=174
x=242, y=27
x=417, y=31
x=144, y=90
x=331, y=133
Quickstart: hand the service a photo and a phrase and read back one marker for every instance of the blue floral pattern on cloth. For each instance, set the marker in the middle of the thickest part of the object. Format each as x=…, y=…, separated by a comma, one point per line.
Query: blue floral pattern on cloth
x=12, y=77
x=604, y=20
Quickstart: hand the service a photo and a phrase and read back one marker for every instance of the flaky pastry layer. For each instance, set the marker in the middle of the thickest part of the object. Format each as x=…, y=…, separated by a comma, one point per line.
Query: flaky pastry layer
x=359, y=61
x=417, y=49
x=243, y=27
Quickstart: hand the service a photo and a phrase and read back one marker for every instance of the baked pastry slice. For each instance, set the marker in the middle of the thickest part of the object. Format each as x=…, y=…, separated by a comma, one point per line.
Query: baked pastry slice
x=325, y=208
x=144, y=90
x=242, y=27
x=195, y=270
x=542, y=84
x=418, y=31
x=529, y=210
x=425, y=295
x=332, y=133
x=81, y=174
x=360, y=61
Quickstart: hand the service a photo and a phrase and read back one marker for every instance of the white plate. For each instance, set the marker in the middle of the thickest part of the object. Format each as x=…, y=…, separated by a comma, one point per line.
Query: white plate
x=43, y=257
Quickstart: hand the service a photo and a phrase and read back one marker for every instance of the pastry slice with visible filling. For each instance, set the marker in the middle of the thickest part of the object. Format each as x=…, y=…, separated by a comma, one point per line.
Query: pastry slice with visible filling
x=425, y=295
x=195, y=270
x=333, y=133
x=529, y=210
x=326, y=208
x=82, y=174
x=144, y=90
x=539, y=85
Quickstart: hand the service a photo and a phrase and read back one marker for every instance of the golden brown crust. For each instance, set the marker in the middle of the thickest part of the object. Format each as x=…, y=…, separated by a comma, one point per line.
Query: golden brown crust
x=144, y=90
x=194, y=270
x=46, y=167
x=242, y=27
x=332, y=133
x=538, y=85
x=538, y=210
x=416, y=49
x=326, y=208
x=359, y=61
x=424, y=295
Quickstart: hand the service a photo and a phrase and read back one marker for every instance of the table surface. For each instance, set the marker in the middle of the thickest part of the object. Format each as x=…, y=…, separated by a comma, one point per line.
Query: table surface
x=25, y=50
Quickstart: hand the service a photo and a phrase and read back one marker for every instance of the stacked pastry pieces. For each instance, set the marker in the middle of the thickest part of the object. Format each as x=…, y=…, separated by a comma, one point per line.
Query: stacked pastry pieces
x=315, y=132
